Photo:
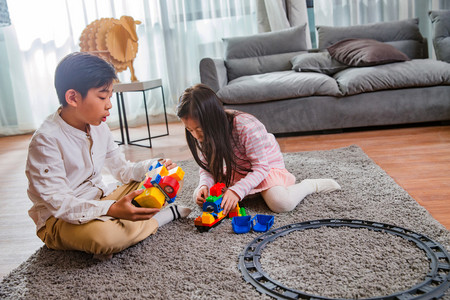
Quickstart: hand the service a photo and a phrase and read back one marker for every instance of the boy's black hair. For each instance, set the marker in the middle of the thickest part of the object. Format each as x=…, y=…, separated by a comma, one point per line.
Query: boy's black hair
x=82, y=71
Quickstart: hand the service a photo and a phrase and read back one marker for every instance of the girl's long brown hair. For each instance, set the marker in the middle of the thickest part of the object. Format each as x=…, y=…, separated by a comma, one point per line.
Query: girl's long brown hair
x=200, y=103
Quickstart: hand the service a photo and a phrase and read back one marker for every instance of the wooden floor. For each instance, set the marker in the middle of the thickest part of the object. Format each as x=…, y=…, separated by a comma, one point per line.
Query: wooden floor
x=418, y=159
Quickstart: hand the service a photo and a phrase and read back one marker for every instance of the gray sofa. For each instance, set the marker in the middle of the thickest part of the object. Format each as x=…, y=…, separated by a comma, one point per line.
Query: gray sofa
x=292, y=89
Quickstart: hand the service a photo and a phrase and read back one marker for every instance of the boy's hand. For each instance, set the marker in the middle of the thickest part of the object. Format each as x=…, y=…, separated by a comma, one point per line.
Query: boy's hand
x=202, y=195
x=169, y=164
x=229, y=202
x=124, y=209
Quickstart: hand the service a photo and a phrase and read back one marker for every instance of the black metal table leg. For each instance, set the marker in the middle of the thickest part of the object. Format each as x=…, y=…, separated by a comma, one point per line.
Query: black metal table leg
x=138, y=87
x=122, y=141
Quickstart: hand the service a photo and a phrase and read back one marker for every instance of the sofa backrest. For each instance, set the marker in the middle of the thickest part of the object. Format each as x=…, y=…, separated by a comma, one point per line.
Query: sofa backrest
x=403, y=35
x=264, y=52
x=441, y=33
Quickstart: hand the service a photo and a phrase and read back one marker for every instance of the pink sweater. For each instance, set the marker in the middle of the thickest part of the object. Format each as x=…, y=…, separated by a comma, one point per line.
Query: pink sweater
x=255, y=145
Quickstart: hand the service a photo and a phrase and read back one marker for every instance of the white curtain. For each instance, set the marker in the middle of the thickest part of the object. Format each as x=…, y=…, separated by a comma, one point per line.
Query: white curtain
x=173, y=37
x=273, y=15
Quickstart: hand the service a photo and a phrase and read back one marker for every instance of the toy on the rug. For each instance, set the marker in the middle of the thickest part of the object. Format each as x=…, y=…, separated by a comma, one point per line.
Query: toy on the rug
x=161, y=186
x=212, y=210
x=259, y=223
x=434, y=284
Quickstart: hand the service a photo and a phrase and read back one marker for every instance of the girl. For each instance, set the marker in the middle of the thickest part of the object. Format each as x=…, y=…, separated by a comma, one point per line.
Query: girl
x=234, y=148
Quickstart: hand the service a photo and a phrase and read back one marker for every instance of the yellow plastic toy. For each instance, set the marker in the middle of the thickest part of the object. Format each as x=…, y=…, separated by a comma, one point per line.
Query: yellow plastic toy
x=161, y=186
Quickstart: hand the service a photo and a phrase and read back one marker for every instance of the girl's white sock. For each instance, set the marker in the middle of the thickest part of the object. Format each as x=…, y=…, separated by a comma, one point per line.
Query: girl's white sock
x=171, y=213
x=282, y=199
x=321, y=185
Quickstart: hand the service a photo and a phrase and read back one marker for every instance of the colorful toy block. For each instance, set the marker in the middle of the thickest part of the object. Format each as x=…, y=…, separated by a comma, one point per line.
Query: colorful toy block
x=160, y=185
x=212, y=209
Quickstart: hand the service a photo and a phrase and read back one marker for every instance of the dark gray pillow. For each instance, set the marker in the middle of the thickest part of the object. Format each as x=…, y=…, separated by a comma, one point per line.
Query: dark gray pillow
x=264, y=52
x=441, y=36
x=405, y=30
x=365, y=52
x=320, y=62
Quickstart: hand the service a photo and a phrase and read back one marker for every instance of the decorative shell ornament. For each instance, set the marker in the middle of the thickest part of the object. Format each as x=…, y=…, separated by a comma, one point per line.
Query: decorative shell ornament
x=114, y=40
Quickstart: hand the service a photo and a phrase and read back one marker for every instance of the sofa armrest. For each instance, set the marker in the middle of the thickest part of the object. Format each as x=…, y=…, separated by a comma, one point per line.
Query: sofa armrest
x=213, y=73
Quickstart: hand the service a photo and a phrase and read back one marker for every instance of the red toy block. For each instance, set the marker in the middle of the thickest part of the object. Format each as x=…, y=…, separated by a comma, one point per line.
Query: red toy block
x=148, y=184
x=216, y=190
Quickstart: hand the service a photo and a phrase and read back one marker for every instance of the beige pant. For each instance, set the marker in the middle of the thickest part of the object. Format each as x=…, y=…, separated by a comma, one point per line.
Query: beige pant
x=98, y=237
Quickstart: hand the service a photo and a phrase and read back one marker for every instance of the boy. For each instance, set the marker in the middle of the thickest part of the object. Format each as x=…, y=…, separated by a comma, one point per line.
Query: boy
x=65, y=159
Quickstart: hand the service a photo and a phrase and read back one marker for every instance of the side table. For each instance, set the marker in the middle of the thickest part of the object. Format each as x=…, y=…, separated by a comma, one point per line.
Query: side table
x=139, y=86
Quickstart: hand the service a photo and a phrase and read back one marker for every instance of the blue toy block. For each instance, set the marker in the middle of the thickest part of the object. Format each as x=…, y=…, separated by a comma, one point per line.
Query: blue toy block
x=262, y=223
x=259, y=223
x=241, y=224
x=213, y=206
x=157, y=179
x=155, y=165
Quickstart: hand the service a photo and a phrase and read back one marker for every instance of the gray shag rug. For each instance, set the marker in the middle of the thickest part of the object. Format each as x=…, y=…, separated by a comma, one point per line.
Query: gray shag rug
x=178, y=262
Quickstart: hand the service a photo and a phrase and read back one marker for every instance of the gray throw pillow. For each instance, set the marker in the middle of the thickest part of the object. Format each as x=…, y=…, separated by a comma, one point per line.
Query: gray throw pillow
x=320, y=62
x=365, y=52
x=441, y=34
x=264, y=52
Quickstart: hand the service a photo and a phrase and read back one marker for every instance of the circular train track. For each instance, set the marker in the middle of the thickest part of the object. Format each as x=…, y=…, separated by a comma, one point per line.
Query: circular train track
x=437, y=280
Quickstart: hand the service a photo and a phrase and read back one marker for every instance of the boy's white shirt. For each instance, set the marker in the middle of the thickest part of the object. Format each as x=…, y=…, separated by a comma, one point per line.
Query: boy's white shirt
x=65, y=173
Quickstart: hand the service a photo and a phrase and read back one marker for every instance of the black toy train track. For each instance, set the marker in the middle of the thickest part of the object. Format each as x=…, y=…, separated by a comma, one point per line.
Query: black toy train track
x=434, y=286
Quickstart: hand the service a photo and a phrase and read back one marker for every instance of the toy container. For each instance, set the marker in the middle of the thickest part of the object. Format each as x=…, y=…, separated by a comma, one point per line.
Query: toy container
x=241, y=224
x=262, y=223
x=259, y=223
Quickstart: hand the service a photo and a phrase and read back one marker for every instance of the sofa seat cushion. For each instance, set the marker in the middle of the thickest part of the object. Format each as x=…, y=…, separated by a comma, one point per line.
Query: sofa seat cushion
x=276, y=86
x=413, y=73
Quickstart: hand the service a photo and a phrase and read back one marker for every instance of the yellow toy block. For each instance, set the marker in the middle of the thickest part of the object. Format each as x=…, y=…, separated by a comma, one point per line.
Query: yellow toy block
x=162, y=171
x=207, y=218
x=176, y=173
x=152, y=198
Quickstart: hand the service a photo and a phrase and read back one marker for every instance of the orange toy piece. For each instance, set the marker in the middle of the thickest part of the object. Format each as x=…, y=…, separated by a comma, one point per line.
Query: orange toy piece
x=235, y=212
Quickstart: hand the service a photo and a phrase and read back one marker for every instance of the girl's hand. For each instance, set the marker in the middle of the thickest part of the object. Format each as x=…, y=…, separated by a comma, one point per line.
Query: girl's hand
x=124, y=209
x=202, y=194
x=229, y=202
x=168, y=163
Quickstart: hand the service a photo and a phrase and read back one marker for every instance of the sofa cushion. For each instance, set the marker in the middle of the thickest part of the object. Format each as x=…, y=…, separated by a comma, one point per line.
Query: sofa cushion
x=365, y=52
x=413, y=49
x=276, y=86
x=406, y=31
x=413, y=73
x=441, y=33
x=264, y=52
x=320, y=62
